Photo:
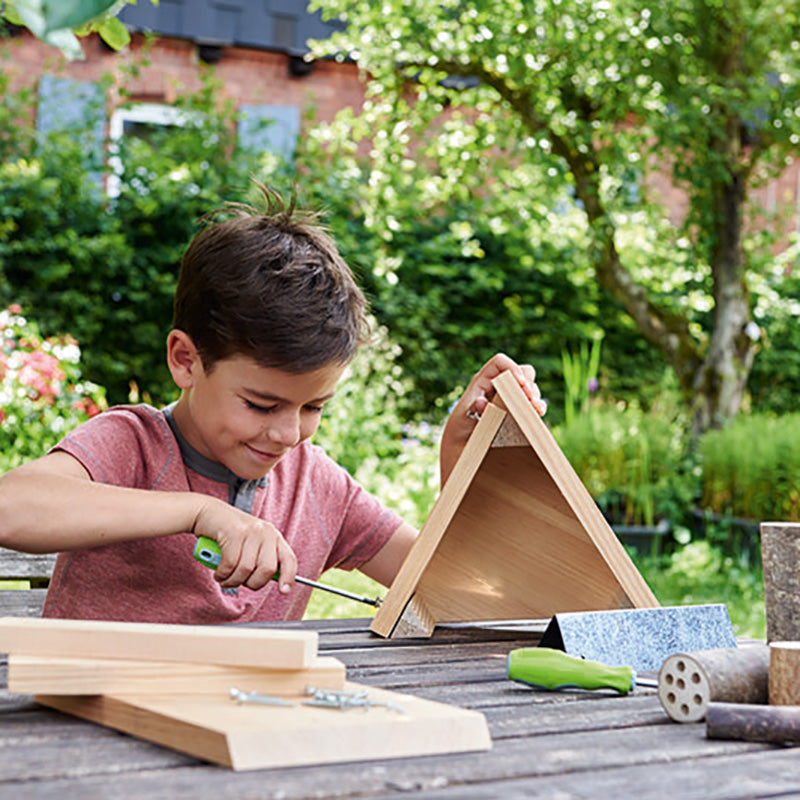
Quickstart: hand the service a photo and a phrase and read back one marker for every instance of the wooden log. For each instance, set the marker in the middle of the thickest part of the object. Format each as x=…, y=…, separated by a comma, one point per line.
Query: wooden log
x=753, y=723
x=780, y=554
x=689, y=682
x=784, y=673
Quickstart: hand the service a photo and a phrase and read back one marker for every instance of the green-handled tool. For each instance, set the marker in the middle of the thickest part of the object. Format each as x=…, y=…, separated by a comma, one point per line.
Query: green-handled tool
x=209, y=554
x=554, y=669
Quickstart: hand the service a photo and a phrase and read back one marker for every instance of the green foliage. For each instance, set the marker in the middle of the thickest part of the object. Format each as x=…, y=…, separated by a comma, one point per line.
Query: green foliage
x=580, y=378
x=634, y=463
x=42, y=396
x=751, y=468
x=363, y=430
x=457, y=281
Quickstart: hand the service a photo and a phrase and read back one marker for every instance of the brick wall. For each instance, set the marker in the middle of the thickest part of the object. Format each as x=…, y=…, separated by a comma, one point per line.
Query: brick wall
x=248, y=75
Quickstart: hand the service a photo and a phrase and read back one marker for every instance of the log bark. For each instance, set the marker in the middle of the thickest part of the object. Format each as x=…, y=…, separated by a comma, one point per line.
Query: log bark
x=780, y=554
x=753, y=723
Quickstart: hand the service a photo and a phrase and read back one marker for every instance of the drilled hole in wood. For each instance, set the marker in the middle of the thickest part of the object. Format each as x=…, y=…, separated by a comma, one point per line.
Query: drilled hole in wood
x=671, y=698
x=698, y=701
x=695, y=677
x=669, y=679
x=681, y=684
x=680, y=666
x=685, y=709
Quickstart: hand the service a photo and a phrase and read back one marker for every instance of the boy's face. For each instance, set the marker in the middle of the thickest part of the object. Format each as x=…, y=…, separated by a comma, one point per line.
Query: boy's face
x=247, y=417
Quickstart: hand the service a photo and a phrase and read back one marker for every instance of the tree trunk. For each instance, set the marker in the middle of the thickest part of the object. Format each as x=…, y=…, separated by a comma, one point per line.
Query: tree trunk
x=719, y=383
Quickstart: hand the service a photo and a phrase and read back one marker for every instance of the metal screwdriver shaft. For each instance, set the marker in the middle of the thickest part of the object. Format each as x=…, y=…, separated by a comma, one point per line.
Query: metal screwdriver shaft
x=208, y=553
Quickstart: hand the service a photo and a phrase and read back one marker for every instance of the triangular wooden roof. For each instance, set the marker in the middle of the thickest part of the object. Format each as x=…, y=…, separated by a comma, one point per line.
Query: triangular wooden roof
x=514, y=534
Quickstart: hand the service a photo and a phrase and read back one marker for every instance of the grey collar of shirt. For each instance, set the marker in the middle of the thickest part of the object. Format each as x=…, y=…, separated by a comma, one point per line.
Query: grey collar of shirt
x=241, y=492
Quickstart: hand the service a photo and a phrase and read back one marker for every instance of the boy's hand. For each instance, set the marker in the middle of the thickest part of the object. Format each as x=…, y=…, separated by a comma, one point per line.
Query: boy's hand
x=252, y=549
x=473, y=402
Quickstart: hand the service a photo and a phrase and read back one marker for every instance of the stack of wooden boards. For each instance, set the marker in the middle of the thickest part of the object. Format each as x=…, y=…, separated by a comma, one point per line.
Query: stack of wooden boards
x=171, y=684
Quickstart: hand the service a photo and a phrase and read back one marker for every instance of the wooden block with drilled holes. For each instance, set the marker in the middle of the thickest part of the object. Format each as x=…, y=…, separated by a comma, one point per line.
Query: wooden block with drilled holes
x=514, y=534
x=201, y=644
x=56, y=675
x=251, y=736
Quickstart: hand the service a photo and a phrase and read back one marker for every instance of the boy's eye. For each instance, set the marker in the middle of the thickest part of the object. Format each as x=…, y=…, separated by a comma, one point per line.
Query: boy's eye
x=256, y=407
x=315, y=409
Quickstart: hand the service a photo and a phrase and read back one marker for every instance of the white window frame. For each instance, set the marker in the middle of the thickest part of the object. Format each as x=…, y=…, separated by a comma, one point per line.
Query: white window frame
x=150, y=113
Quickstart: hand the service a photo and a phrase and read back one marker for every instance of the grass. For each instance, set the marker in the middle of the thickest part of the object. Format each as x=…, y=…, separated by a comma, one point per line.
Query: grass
x=324, y=605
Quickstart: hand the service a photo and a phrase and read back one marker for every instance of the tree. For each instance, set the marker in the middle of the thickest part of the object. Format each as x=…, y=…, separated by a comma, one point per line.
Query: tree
x=601, y=97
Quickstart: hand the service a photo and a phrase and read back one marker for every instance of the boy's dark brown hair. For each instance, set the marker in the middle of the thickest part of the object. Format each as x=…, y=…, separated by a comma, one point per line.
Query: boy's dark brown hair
x=269, y=284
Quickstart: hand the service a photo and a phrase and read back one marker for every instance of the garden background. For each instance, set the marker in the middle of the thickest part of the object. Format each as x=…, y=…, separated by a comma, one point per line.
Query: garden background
x=482, y=210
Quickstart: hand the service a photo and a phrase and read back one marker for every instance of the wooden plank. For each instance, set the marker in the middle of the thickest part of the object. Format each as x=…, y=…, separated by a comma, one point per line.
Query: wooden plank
x=53, y=675
x=513, y=534
x=26, y=565
x=211, y=644
x=248, y=736
x=22, y=602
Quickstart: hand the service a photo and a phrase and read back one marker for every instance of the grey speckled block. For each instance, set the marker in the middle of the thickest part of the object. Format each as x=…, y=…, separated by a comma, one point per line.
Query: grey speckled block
x=642, y=638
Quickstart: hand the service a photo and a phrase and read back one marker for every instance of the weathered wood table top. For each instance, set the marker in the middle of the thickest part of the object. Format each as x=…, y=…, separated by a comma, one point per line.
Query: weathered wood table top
x=567, y=744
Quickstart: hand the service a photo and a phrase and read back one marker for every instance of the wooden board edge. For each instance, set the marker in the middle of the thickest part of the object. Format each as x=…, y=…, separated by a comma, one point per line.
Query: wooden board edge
x=126, y=717
x=216, y=644
x=50, y=675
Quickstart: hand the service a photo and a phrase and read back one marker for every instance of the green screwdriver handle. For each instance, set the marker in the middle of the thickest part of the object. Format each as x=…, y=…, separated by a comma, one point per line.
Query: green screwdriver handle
x=554, y=669
x=209, y=554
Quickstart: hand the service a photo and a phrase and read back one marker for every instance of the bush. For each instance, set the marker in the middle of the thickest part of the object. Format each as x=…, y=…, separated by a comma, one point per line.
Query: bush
x=633, y=463
x=364, y=431
x=751, y=468
x=42, y=396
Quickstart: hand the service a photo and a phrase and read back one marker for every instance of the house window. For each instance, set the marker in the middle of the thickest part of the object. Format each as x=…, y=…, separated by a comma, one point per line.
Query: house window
x=143, y=121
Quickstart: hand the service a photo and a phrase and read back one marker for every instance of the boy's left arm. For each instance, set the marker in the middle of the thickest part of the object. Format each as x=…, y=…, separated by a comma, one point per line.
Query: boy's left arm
x=478, y=394
x=386, y=563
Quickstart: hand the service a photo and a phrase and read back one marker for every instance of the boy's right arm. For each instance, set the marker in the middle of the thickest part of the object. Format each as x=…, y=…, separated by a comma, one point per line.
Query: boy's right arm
x=52, y=505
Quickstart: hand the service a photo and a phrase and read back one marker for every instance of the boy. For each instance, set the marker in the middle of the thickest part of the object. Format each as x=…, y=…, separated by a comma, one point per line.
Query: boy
x=267, y=316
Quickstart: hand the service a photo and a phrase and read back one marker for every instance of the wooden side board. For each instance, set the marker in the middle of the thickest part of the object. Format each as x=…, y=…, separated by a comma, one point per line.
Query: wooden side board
x=513, y=535
x=202, y=644
x=81, y=676
x=256, y=736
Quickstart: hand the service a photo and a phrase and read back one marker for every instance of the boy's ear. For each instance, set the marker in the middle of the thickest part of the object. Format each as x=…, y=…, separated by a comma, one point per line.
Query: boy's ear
x=183, y=359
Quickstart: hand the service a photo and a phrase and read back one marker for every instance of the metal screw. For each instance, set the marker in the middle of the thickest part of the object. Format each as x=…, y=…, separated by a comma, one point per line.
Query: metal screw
x=344, y=701
x=254, y=697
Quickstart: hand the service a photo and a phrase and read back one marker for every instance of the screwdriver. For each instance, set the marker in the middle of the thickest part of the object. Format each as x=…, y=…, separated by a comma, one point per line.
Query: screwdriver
x=209, y=554
x=553, y=669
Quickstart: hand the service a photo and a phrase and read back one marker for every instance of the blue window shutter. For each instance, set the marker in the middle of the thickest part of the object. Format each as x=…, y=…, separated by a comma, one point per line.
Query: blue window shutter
x=69, y=105
x=271, y=128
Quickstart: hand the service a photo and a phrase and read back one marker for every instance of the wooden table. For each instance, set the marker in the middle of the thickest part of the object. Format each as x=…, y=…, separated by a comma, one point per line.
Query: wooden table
x=545, y=744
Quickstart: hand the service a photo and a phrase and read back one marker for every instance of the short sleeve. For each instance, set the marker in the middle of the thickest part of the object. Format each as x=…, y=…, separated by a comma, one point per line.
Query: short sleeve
x=128, y=446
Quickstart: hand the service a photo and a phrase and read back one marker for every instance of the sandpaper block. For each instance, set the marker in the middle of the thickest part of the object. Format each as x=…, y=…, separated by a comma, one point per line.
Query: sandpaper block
x=640, y=637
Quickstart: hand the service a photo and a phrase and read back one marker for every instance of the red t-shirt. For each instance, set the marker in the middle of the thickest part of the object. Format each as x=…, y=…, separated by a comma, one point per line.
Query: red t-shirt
x=327, y=518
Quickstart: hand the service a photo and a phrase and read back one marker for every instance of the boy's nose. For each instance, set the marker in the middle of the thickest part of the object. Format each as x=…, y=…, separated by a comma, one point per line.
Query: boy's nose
x=285, y=430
